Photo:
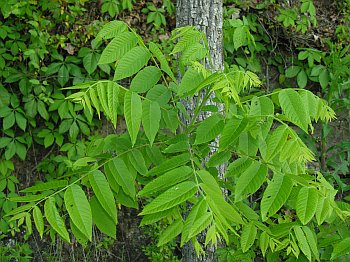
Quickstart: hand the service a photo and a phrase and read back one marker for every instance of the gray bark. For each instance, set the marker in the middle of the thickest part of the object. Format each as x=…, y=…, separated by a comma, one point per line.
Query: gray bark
x=207, y=16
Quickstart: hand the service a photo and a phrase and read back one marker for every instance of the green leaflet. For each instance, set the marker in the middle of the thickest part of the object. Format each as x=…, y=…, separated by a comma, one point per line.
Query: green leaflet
x=151, y=116
x=137, y=161
x=275, y=195
x=54, y=219
x=306, y=204
x=341, y=248
x=250, y=180
x=28, y=198
x=209, y=129
x=310, y=103
x=275, y=143
x=167, y=180
x=181, y=146
x=112, y=181
x=211, y=236
x=211, y=79
x=222, y=210
x=197, y=211
x=312, y=241
x=19, y=209
x=108, y=94
x=118, y=47
x=170, y=198
x=190, y=80
x=145, y=79
x=102, y=219
x=263, y=107
x=103, y=193
x=79, y=236
x=171, y=119
x=122, y=176
x=152, y=218
x=238, y=166
x=302, y=241
x=46, y=186
x=94, y=100
x=219, y=158
x=170, y=164
x=170, y=232
x=293, y=108
x=323, y=210
x=132, y=62
x=231, y=132
x=194, y=52
x=112, y=29
x=38, y=220
x=160, y=94
x=264, y=242
x=201, y=223
x=187, y=37
x=126, y=200
x=28, y=220
x=164, y=66
x=132, y=114
x=79, y=209
x=248, y=236
x=90, y=62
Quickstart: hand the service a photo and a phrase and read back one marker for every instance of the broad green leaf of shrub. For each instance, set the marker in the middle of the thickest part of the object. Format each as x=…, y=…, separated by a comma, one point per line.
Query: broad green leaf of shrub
x=102, y=219
x=117, y=48
x=190, y=80
x=145, y=79
x=38, y=220
x=79, y=209
x=197, y=211
x=312, y=241
x=167, y=180
x=231, y=132
x=306, y=204
x=302, y=79
x=90, y=62
x=275, y=195
x=275, y=143
x=341, y=248
x=54, y=218
x=112, y=29
x=169, y=164
x=302, y=241
x=250, y=180
x=137, y=161
x=151, y=115
x=323, y=210
x=170, y=232
x=293, y=108
x=55, y=184
x=209, y=129
x=108, y=94
x=132, y=114
x=103, y=193
x=292, y=71
x=248, y=236
x=170, y=198
x=122, y=175
x=132, y=62
x=164, y=66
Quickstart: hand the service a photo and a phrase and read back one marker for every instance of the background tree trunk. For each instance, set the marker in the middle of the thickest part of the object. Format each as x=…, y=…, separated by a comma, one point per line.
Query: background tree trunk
x=207, y=16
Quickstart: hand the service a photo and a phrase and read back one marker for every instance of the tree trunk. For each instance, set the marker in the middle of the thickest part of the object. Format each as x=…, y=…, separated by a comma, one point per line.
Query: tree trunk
x=207, y=16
